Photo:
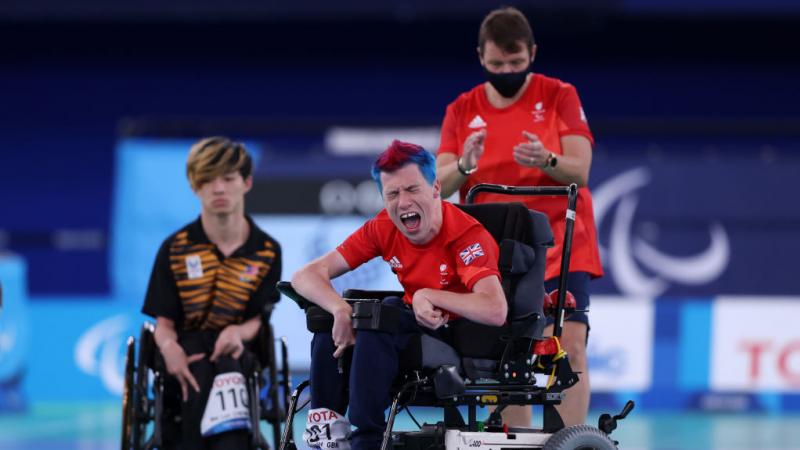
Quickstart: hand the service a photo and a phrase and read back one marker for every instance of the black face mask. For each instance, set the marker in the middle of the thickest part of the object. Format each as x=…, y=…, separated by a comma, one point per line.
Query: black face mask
x=507, y=84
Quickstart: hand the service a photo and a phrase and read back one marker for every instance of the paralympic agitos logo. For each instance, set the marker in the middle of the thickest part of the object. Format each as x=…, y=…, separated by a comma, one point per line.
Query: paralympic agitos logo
x=625, y=254
x=98, y=351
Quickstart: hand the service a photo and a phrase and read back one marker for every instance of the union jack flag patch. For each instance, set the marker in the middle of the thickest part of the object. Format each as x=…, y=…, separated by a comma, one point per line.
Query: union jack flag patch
x=470, y=253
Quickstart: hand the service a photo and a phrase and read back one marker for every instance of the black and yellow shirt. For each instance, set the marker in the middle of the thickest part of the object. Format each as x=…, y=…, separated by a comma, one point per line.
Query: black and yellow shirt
x=199, y=288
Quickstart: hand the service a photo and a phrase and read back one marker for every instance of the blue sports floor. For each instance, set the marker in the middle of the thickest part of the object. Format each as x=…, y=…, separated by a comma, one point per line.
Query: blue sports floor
x=96, y=426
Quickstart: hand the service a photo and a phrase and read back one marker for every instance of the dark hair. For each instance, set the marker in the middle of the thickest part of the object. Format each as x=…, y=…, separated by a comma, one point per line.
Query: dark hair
x=506, y=27
x=400, y=153
x=215, y=156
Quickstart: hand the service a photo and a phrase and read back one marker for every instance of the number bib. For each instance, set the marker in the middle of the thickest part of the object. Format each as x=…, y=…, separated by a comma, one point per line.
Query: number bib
x=326, y=429
x=227, y=406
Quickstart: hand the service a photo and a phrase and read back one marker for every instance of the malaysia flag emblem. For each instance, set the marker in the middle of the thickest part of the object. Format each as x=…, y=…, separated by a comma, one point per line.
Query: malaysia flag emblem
x=248, y=274
x=470, y=253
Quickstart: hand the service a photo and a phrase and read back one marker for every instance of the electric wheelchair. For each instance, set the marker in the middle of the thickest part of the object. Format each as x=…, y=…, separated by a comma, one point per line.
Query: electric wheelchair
x=489, y=366
x=151, y=398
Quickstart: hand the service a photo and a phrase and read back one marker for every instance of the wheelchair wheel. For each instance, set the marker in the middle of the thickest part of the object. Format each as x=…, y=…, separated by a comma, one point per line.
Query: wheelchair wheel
x=128, y=416
x=141, y=408
x=579, y=437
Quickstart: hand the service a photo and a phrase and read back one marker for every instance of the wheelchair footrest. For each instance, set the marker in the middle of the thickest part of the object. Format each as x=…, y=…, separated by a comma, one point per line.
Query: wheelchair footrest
x=429, y=437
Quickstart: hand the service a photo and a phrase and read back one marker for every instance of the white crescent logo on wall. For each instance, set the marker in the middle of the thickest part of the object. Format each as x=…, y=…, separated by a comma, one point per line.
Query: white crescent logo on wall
x=97, y=351
x=626, y=250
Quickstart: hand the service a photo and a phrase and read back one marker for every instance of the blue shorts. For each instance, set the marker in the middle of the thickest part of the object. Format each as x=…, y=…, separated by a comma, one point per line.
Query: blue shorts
x=578, y=284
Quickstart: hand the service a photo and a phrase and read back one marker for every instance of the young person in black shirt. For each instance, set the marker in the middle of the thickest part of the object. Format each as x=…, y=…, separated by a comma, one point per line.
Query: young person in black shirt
x=210, y=283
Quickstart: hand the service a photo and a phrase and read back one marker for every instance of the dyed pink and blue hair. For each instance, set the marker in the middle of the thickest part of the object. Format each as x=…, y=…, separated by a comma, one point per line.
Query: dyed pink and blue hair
x=400, y=153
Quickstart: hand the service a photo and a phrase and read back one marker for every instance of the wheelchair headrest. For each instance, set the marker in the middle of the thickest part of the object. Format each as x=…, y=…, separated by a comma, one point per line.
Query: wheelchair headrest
x=512, y=220
x=523, y=236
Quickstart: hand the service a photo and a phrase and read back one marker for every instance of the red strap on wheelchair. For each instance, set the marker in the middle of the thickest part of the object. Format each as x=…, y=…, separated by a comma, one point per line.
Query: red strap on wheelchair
x=548, y=346
x=551, y=302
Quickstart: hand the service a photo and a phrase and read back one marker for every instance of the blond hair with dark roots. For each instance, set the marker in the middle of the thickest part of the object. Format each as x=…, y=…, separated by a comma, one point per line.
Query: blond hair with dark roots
x=214, y=156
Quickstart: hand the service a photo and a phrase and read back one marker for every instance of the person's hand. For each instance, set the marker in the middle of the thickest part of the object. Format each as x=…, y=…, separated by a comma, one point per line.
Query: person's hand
x=229, y=342
x=426, y=314
x=342, y=332
x=532, y=152
x=178, y=366
x=473, y=149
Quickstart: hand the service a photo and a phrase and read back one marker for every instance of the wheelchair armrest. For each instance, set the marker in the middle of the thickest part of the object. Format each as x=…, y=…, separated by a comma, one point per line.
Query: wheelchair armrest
x=368, y=314
x=373, y=315
x=350, y=295
x=286, y=288
x=358, y=294
x=367, y=309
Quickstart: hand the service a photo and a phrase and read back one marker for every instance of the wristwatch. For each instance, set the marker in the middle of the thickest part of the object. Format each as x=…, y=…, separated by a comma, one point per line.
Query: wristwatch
x=464, y=171
x=551, y=161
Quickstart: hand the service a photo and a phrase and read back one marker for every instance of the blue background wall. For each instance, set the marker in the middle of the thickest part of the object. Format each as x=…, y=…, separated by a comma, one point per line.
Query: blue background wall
x=693, y=108
x=72, y=84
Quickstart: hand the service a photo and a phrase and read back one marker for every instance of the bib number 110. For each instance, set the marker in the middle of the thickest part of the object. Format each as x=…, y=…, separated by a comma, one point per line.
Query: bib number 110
x=235, y=397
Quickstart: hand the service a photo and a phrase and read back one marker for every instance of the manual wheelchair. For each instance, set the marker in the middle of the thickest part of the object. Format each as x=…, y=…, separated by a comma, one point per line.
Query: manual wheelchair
x=488, y=366
x=150, y=402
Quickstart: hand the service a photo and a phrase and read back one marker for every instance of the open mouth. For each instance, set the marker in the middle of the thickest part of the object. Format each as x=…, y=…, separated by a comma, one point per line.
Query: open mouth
x=411, y=220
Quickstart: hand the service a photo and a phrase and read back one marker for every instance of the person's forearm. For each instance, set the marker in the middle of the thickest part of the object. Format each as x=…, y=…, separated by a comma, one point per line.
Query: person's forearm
x=165, y=332
x=450, y=178
x=476, y=306
x=248, y=330
x=570, y=169
x=313, y=283
x=574, y=164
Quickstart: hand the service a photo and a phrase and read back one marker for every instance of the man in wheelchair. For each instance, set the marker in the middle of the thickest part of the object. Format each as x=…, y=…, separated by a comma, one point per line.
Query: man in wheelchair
x=446, y=262
x=209, y=286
